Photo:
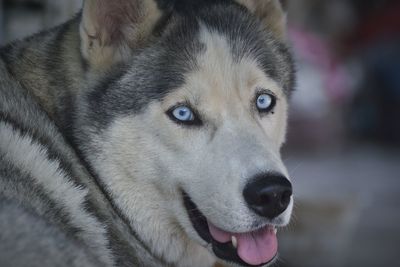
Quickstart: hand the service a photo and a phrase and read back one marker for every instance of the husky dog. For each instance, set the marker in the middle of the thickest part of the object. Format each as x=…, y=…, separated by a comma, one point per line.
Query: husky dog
x=147, y=133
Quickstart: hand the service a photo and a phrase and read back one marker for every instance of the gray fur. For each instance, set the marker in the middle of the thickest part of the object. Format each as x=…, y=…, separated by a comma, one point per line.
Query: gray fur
x=55, y=107
x=29, y=240
x=22, y=197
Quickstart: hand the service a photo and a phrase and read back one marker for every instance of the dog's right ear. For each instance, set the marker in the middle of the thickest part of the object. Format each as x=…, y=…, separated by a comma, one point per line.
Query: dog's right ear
x=271, y=12
x=111, y=30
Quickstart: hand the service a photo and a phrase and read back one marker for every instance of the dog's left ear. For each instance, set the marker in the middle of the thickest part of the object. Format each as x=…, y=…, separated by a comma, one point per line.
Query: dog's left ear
x=271, y=12
x=111, y=30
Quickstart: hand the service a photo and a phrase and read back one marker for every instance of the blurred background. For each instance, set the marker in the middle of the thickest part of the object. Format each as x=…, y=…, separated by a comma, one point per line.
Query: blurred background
x=343, y=148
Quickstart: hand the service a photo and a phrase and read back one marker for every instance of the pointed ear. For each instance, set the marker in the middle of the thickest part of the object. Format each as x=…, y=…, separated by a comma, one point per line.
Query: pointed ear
x=110, y=30
x=272, y=14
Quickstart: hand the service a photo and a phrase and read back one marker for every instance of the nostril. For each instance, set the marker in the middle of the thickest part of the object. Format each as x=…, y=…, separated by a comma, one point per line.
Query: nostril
x=265, y=198
x=268, y=195
x=285, y=199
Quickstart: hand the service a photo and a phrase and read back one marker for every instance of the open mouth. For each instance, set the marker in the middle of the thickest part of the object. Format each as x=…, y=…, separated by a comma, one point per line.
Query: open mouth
x=256, y=248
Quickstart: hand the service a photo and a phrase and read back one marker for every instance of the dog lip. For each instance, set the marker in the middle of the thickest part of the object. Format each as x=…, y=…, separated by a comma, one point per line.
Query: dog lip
x=197, y=219
x=224, y=251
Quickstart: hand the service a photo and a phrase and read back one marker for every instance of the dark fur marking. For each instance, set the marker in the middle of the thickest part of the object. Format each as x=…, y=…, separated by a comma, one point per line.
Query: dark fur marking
x=43, y=141
x=99, y=96
x=151, y=75
x=122, y=251
x=187, y=7
x=30, y=192
x=162, y=24
x=57, y=78
x=4, y=55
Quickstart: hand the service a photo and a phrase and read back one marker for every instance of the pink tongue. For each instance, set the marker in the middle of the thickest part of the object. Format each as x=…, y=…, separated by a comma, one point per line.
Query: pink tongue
x=218, y=234
x=258, y=247
x=254, y=248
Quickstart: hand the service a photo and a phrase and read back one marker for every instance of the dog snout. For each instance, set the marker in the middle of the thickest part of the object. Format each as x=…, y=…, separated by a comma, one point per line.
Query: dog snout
x=268, y=195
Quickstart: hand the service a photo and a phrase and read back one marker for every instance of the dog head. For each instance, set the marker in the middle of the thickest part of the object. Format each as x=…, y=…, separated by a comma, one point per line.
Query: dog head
x=186, y=133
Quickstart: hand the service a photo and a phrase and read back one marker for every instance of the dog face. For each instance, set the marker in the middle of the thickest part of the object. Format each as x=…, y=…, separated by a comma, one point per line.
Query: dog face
x=188, y=135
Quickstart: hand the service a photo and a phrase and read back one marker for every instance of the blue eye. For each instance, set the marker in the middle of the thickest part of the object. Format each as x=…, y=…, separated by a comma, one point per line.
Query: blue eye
x=183, y=114
x=265, y=102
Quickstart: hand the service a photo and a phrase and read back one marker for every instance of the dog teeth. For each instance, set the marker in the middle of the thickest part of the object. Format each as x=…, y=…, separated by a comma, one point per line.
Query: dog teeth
x=275, y=230
x=234, y=242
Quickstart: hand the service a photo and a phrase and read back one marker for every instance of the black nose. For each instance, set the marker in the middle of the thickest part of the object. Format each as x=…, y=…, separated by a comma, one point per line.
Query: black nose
x=268, y=195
